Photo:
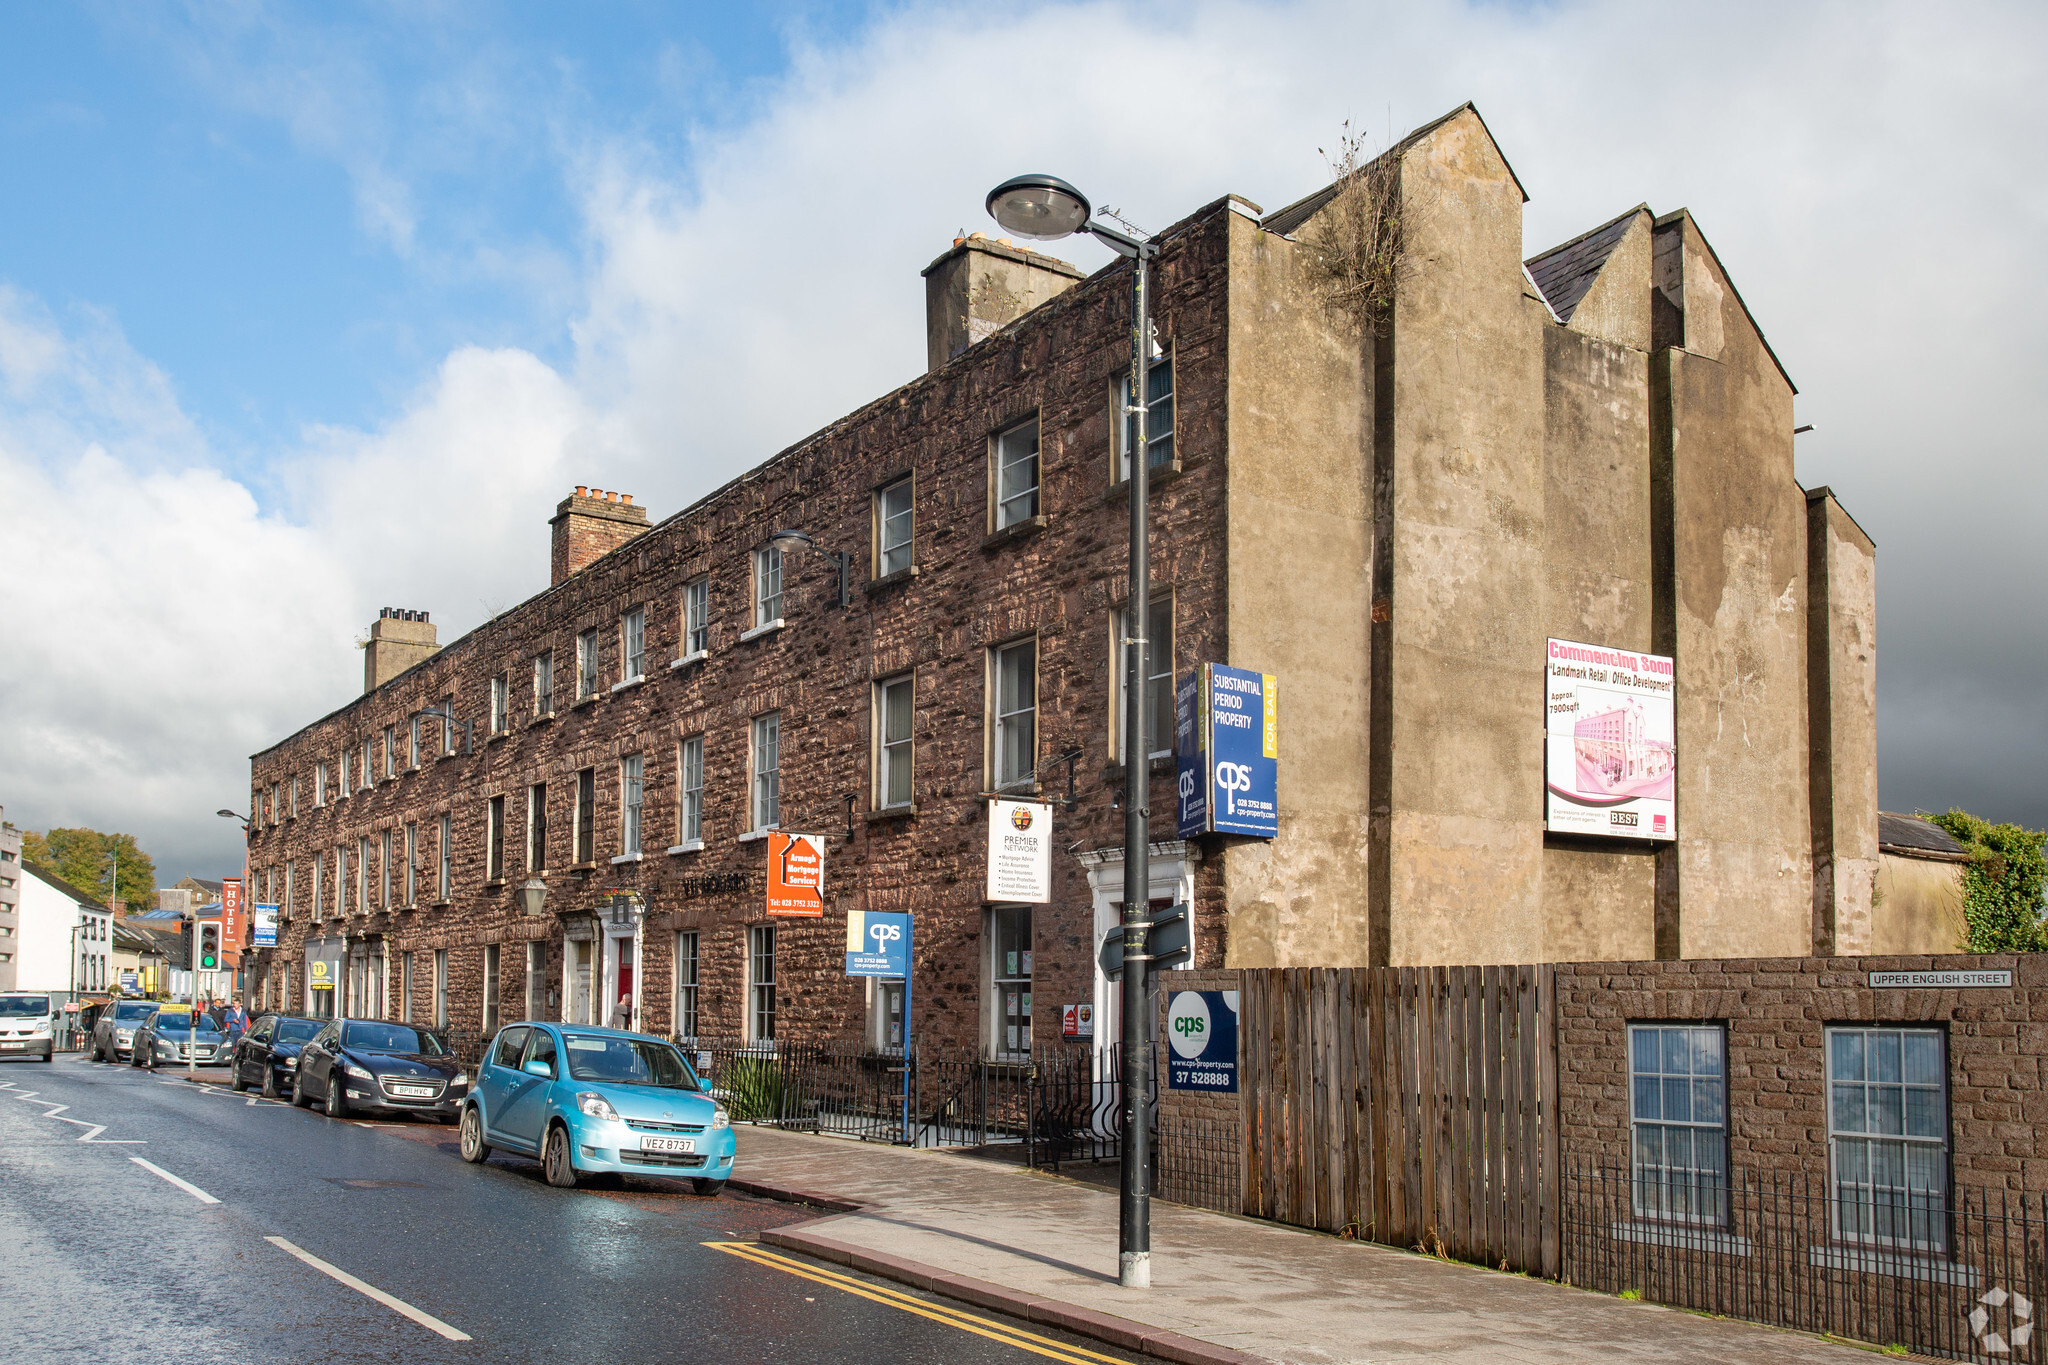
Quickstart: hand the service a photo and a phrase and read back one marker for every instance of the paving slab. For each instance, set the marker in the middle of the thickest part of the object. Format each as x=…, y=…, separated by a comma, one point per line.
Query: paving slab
x=1224, y=1288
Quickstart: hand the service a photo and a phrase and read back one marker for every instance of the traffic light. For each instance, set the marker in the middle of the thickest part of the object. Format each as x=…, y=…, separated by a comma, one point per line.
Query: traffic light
x=209, y=947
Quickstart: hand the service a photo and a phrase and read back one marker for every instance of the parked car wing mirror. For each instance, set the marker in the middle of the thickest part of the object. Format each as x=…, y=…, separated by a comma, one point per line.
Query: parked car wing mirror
x=537, y=1067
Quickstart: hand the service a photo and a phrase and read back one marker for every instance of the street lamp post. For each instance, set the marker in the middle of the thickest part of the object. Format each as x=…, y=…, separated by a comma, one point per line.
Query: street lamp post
x=1046, y=208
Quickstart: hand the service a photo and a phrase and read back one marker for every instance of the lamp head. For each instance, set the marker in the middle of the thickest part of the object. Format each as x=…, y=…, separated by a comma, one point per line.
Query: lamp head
x=1043, y=208
x=786, y=541
x=232, y=815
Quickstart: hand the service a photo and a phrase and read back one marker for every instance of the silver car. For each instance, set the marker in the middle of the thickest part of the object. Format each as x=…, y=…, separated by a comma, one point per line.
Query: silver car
x=176, y=1036
x=113, y=1035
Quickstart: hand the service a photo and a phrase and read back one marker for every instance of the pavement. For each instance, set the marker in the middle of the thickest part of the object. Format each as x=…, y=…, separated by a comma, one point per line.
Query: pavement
x=1225, y=1289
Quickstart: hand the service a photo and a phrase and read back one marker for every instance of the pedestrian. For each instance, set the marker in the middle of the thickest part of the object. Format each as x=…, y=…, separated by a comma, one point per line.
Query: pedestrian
x=622, y=1016
x=236, y=1021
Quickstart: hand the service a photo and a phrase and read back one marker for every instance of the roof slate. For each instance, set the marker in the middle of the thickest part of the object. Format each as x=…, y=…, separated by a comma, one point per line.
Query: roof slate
x=45, y=875
x=1564, y=273
x=1911, y=832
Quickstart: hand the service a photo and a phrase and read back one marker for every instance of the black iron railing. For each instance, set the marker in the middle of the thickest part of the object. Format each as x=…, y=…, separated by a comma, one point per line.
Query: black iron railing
x=1962, y=1276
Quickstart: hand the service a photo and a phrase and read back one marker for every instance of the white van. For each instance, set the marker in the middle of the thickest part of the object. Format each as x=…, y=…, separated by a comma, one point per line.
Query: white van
x=27, y=1026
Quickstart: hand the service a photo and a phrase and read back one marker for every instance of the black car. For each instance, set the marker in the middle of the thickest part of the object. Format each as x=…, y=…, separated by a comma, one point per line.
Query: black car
x=268, y=1054
x=370, y=1064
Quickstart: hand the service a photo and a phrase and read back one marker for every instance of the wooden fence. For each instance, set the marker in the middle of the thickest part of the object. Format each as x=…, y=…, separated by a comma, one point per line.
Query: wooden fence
x=1407, y=1105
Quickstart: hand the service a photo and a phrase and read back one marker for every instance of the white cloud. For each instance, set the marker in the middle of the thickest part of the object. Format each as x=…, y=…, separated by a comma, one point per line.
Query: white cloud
x=1868, y=173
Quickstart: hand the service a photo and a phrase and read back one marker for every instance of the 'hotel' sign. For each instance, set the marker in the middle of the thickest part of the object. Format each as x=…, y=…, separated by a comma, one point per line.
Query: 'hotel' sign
x=1939, y=980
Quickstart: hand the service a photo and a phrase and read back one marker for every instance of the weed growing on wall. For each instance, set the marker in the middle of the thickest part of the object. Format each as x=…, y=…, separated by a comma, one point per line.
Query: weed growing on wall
x=2002, y=885
x=1354, y=255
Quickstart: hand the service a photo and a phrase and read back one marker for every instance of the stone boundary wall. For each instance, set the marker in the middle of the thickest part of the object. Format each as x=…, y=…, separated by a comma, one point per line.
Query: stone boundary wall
x=1775, y=1011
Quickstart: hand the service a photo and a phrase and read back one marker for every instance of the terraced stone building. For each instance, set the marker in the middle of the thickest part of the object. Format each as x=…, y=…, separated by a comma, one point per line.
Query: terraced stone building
x=1391, y=521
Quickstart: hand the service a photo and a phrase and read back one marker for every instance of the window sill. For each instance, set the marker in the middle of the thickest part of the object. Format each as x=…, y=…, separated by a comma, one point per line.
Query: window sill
x=628, y=684
x=1902, y=1265
x=1015, y=531
x=755, y=835
x=494, y=884
x=583, y=867
x=542, y=719
x=890, y=580
x=439, y=905
x=1120, y=491
x=496, y=735
x=887, y=813
x=627, y=858
x=582, y=702
x=687, y=846
x=694, y=657
x=765, y=628
x=1682, y=1237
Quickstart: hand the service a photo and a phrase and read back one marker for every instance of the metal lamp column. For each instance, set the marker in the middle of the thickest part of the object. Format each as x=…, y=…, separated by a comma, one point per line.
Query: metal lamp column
x=1045, y=208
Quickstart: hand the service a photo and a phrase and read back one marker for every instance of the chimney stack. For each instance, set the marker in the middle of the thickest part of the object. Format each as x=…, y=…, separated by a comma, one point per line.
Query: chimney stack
x=589, y=524
x=399, y=638
x=982, y=286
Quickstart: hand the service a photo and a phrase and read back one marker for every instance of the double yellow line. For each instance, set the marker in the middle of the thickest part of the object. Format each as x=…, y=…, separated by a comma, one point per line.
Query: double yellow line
x=952, y=1317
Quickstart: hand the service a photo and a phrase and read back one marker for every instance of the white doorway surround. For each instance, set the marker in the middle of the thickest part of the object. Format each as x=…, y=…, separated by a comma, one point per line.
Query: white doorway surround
x=1171, y=878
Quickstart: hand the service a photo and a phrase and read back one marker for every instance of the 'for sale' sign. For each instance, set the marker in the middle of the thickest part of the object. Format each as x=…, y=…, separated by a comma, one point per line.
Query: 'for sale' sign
x=1201, y=1030
x=796, y=874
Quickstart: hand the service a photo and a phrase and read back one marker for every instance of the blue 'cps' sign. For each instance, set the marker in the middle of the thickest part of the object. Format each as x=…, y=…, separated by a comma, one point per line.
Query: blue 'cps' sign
x=877, y=943
x=1227, y=744
x=1201, y=1032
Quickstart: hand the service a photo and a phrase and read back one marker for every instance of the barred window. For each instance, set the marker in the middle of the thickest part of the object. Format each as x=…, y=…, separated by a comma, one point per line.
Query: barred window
x=1678, y=1108
x=1888, y=1136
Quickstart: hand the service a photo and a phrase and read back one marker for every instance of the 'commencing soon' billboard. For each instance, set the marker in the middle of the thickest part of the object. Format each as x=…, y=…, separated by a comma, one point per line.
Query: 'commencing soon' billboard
x=1610, y=742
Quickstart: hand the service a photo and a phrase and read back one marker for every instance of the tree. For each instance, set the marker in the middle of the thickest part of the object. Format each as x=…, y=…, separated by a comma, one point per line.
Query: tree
x=2002, y=885
x=85, y=858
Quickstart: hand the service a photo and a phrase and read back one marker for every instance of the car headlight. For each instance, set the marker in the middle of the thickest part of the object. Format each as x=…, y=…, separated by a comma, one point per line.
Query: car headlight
x=461, y=1078
x=597, y=1106
x=124, y=1035
x=43, y=1029
x=351, y=1069
x=720, y=1119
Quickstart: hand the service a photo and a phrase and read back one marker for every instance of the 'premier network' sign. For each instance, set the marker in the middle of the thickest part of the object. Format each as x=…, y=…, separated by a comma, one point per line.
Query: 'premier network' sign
x=1227, y=744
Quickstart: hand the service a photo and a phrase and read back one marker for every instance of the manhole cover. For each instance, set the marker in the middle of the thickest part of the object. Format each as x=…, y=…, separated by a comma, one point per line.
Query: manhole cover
x=352, y=1184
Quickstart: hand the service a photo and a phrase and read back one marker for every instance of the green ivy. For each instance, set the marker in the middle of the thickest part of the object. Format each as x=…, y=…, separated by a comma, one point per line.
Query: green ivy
x=2002, y=885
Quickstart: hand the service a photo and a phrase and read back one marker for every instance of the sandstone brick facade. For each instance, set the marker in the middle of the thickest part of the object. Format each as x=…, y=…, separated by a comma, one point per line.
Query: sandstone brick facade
x=1058, y=579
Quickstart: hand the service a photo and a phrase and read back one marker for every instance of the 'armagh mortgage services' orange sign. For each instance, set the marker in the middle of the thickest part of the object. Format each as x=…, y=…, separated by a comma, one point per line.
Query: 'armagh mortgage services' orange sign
x=796, y=874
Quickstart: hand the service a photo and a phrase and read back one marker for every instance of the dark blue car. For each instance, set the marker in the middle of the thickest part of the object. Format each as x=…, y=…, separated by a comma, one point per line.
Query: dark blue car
x=267, y=1056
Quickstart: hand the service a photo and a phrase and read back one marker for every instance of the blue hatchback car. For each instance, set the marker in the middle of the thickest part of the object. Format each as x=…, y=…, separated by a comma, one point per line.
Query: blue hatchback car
x=589, y=1100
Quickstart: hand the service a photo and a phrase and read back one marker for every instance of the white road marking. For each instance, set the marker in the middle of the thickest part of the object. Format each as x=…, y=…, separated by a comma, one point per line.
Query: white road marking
x=187, y=1186
x=396, y=1305
x=56, y=1111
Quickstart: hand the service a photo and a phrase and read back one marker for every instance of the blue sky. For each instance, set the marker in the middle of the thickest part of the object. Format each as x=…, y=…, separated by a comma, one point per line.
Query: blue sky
x=303, y=213
x=308, y=310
